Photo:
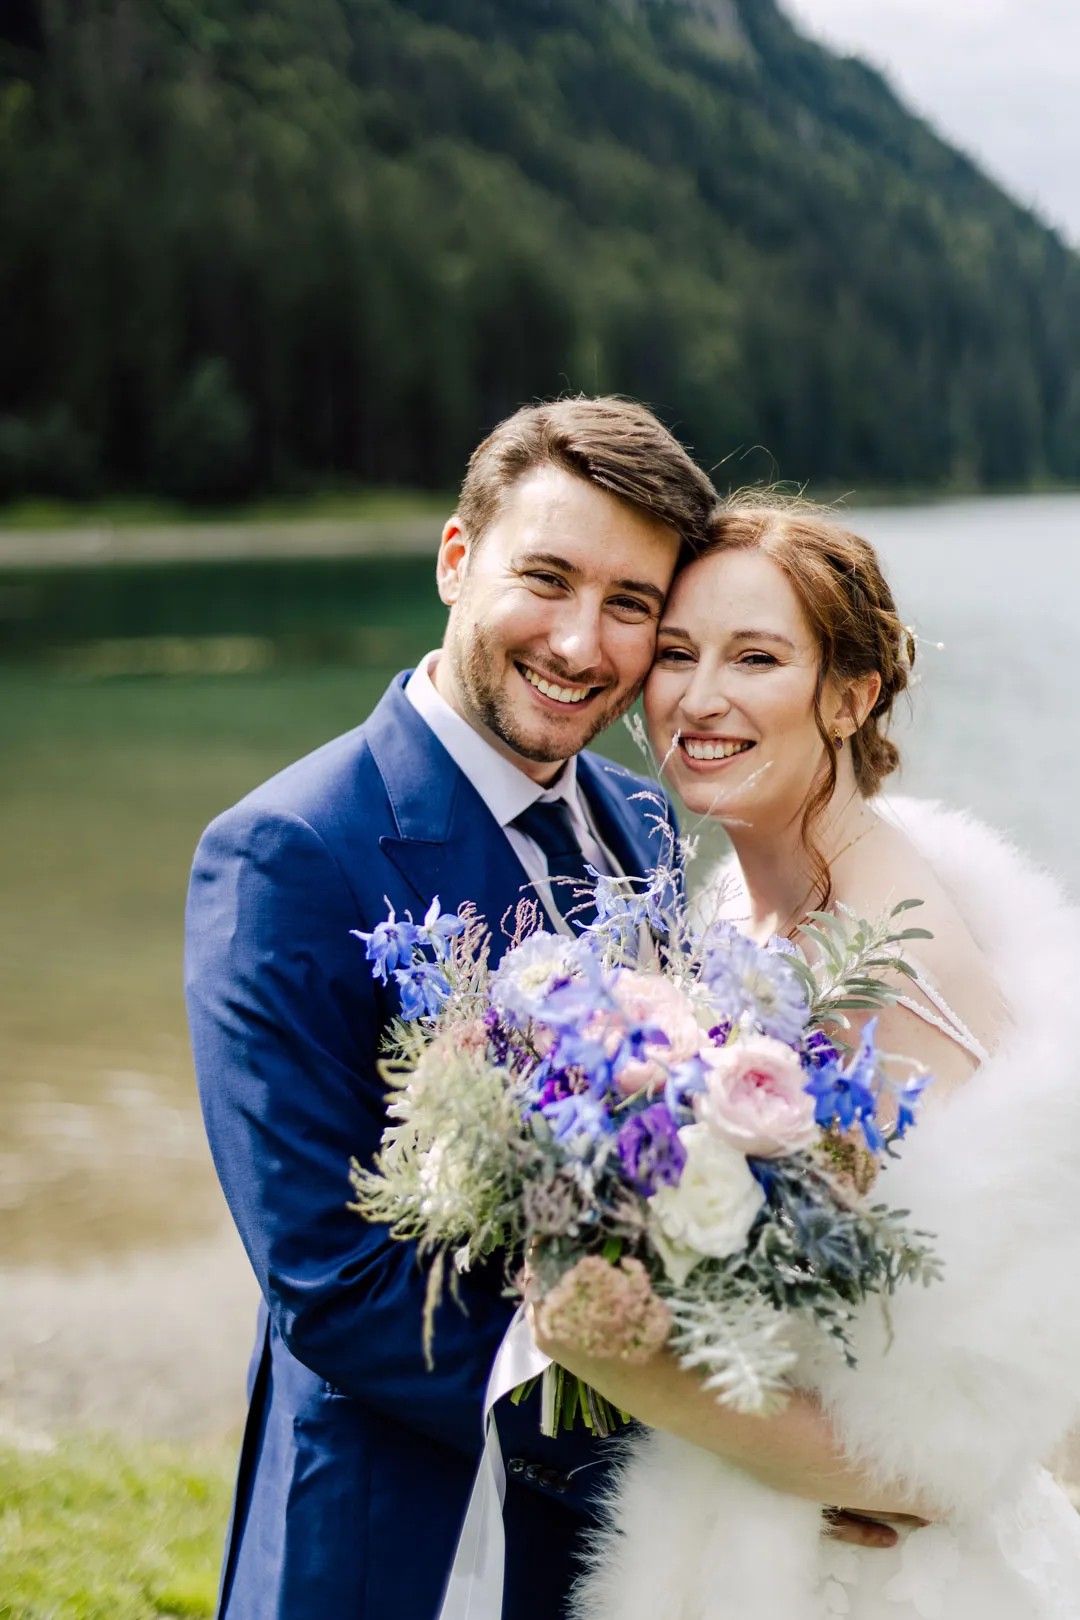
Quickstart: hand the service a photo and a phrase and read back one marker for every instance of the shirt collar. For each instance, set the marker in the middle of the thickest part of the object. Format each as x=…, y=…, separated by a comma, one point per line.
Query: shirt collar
x=505, y=789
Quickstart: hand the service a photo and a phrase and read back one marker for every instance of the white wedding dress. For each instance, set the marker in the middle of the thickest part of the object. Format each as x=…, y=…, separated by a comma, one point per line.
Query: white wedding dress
x=980, y=1380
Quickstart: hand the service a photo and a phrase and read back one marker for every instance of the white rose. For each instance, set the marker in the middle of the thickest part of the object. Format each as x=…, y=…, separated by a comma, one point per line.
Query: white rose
x=711, y=1211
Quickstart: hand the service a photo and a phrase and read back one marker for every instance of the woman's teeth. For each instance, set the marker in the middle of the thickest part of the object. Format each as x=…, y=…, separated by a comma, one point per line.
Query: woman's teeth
x=717, y=750
x=561, y=694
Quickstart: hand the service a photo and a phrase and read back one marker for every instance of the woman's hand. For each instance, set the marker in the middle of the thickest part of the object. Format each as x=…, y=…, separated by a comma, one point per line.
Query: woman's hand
x=795, y=1451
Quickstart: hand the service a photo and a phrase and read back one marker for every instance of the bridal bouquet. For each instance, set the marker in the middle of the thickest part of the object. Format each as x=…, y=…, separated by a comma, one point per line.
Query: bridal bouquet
x=653, y=1113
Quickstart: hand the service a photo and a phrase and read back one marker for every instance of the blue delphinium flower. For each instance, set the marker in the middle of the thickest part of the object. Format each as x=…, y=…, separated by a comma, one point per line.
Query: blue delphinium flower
x=389, y=943
x=650, y=1150
x=439, y=928
x=684, y=1081
x=578, y=1121
x=756, y=983
x=571, y=1003
x=589, y=1056
x=423, y=990
x=622, y=910
x=907, y=1101
x=845, y=1096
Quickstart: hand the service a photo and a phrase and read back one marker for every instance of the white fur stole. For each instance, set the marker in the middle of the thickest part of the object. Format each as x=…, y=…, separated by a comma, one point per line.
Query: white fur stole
x=982, y=1376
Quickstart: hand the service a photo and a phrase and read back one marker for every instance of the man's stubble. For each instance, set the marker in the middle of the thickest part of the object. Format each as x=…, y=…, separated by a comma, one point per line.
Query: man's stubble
x=475, y=668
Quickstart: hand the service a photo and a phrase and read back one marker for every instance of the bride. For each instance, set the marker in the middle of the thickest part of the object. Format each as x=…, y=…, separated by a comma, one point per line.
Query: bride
x=779, y=660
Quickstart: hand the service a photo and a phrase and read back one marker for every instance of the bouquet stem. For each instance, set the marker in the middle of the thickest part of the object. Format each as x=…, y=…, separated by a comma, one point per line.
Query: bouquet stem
x=563, y=1398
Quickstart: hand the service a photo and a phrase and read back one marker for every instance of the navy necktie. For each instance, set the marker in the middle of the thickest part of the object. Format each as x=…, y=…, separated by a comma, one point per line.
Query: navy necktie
x=548, y=824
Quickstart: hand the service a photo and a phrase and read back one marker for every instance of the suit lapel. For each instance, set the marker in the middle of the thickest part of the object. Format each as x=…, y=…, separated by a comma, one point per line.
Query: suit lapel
x=447, y=842
x=628, y=830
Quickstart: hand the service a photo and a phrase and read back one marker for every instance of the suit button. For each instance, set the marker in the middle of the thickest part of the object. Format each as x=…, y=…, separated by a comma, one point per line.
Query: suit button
x=516, y=1465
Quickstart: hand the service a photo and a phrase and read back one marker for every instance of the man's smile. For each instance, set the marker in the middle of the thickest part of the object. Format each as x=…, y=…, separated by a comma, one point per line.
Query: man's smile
x=563, y=696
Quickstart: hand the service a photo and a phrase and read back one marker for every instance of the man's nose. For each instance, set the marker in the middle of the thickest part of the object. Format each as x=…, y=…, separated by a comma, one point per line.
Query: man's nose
x=575, y=636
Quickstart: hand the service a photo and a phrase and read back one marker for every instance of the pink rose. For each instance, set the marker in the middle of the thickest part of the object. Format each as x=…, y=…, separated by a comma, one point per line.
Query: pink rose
x=755, y=1098
x=649, y=998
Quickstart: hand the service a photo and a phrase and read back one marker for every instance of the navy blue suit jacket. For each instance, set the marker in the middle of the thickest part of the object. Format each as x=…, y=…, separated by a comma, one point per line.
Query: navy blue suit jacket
x=357, y=1460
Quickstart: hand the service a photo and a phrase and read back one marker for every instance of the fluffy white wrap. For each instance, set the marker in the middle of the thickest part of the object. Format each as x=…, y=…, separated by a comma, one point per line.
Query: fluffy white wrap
x=982, y=1378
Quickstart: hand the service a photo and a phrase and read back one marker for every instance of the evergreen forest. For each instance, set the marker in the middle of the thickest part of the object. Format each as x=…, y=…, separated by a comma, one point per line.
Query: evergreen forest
x=249, y=248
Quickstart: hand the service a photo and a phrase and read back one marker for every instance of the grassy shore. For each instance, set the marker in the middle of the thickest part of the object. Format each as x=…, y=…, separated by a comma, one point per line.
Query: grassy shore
x=97, y=1530
x=390, y=505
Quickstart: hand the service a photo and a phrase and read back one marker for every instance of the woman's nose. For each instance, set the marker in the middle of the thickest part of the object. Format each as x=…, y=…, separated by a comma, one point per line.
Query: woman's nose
x=704, y=697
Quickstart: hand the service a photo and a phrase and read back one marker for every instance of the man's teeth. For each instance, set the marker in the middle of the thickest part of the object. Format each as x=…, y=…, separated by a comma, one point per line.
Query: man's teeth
x=561, y=694
x=717, y=750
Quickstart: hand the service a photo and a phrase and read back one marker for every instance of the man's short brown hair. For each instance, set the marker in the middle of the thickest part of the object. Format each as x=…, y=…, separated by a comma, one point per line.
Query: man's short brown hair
x=616, y=444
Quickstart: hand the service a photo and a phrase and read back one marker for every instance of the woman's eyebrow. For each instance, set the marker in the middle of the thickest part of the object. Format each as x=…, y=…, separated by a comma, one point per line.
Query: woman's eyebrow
x=763, y=635
x=737, y=635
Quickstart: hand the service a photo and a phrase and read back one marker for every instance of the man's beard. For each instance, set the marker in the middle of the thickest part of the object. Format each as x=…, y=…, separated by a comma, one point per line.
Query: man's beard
x=474, y=665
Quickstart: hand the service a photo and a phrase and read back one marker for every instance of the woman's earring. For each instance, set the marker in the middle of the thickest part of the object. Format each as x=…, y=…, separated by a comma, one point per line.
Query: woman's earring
x=838, y=741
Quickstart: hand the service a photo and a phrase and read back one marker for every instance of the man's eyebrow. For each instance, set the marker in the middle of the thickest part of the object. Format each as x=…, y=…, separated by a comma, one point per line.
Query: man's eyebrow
x=642, y=587
x=550, y=559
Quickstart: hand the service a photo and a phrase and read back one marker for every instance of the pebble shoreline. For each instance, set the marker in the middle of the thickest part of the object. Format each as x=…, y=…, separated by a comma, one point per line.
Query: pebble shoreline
x=150, y=1346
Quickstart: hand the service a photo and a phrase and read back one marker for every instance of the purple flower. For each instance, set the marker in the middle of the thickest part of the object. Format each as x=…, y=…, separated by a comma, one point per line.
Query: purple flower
x=650, y=1150
x=818, y=1050
x=555, y=1087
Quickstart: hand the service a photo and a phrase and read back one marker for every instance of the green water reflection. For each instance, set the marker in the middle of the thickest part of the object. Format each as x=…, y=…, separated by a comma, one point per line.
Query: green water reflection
x=120, y=738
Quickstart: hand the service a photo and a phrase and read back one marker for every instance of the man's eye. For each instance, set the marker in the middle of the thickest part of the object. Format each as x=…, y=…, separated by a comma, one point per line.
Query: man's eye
x=536, y=577
x=630, y=604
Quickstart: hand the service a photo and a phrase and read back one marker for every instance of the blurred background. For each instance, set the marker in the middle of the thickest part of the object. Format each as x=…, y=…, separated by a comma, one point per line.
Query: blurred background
x=268, y=274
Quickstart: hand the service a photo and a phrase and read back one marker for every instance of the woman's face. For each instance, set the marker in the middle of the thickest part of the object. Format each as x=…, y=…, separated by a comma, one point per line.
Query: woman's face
x=734, y=679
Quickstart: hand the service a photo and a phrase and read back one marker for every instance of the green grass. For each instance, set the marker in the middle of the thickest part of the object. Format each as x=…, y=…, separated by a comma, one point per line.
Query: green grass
x=98, y=1529
x=142, y=511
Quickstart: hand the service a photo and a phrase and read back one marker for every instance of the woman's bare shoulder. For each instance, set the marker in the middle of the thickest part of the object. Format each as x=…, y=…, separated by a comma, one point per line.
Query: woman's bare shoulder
x=890, y=869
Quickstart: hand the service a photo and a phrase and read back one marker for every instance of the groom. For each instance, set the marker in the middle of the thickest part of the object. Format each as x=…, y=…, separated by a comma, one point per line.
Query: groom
x=467, y=782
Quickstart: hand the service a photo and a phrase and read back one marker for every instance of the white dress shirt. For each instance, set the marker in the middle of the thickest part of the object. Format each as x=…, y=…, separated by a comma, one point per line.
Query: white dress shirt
x=505, y=789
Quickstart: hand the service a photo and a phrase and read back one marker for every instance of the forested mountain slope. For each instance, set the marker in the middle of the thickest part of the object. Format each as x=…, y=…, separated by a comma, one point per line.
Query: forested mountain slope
x=247, y=247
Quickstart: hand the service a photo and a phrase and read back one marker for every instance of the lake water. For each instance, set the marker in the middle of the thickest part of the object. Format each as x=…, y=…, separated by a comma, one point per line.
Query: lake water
x=993, y=722
x=136, y=702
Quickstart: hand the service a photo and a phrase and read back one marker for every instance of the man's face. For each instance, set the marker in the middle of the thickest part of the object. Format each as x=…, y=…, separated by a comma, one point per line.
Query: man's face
x=553, y=615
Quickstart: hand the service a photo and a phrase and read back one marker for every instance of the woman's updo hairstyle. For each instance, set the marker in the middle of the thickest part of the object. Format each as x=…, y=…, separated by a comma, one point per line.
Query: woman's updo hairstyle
x=850, y=610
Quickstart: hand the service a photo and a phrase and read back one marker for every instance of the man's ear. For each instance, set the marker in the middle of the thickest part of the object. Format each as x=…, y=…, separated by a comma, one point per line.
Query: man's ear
x=857, y=703
x=452, y=561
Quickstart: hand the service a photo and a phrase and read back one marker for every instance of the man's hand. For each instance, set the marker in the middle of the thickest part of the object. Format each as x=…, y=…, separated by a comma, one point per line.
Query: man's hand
x=860, y=1531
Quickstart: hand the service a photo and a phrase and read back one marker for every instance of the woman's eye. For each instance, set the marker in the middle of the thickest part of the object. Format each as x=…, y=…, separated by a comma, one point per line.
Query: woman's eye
x=674, y=655
x=758, y=660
